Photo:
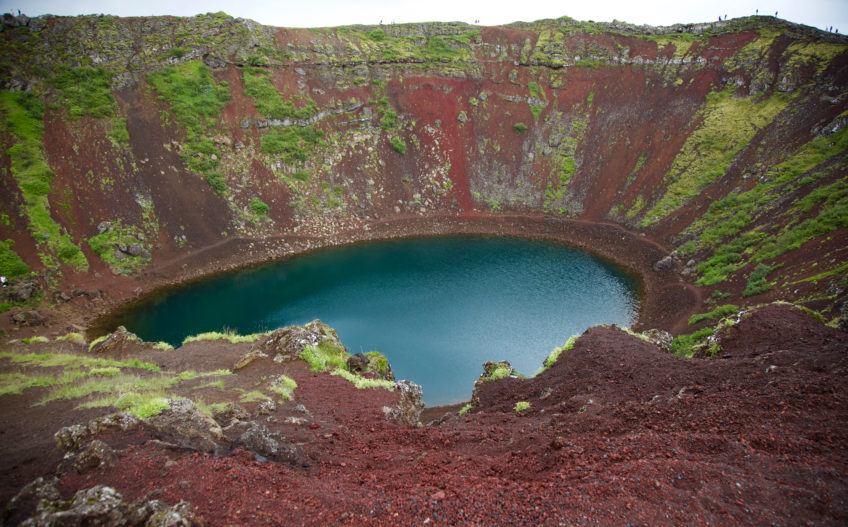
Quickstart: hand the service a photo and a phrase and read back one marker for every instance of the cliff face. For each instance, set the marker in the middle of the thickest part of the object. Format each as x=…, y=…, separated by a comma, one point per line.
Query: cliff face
x=130, y=142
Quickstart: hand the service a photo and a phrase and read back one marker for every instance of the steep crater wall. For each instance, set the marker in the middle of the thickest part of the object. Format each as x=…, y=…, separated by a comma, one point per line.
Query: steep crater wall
x=143, y=151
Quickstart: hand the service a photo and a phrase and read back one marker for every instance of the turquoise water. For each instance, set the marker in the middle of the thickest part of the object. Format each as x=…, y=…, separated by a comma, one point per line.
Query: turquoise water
x=436, y=307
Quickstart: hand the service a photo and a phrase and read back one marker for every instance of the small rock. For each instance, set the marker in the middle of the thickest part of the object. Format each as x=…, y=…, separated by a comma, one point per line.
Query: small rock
x=266, y=407
x=252, y=355
x=664, y=264
x=357, y=363
x=96, y=455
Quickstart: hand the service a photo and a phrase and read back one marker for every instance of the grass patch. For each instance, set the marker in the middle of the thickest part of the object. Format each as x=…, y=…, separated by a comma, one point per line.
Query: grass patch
x=107, y=385
x=227, y=334
x=85, y=91
x=720, y=311
x=325, y=357
x=76, y=338
x=284, y=386
x=521, y=406
x=553, y=356
x=363, y=382
x=254, y=396
x=32, y=340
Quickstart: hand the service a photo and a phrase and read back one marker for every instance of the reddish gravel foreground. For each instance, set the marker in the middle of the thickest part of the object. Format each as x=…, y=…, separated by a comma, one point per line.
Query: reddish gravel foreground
x=618, y=433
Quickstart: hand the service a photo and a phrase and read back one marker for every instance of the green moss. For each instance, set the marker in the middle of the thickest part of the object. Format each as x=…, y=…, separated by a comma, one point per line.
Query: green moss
x=363, y=382
x=501, y=371
x=11, y=265
x=284, y=386
x=293, y=145
x=196, y=102
x=377, y=362
x=259, y=207
x=720, y=311
x=106, y=246
x=683, y=345
x=86, y=91
x=757, y=282
x=398, y=144
x=217, y=182
x=268, y=101
x=521, y=406
x=325, y=356
x=551, y=359
x=729, y=123
x=23, y=113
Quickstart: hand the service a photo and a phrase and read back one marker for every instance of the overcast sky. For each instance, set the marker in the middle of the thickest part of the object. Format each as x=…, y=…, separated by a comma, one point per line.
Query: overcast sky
x=322, y=13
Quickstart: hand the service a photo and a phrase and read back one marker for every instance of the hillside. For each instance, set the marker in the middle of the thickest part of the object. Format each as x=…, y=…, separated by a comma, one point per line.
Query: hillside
x=711, y=159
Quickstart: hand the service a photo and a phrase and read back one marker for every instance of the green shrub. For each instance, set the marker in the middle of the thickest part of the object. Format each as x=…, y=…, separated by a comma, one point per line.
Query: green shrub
x=520, y=406
x=720, y=311
x=519, y=127
x=259, y=207
x=11, y=264
x=217, y=182
x=398, y=144
x=293, y=144
x=378, y=35
x=757, y=282
x=86, y=91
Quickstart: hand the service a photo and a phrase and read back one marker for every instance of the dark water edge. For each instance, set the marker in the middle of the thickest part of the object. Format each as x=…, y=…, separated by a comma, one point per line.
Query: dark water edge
x=437, y=307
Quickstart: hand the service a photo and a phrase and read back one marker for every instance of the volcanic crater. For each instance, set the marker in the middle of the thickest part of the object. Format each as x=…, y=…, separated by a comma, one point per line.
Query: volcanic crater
x=143, y=153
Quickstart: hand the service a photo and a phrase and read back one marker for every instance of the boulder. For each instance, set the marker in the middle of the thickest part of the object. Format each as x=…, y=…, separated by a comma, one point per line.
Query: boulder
x=71, y=438
x=230, y=414
x=187, y=426
x=664, y=264
x=249, y=357
x=21, y=291
x=116, y=341
x=289, y=342
x=96, y=455
x=214, y=62
x=410, y=405
x=357, y=363
x=260, y=440
x=27, y=317
x=660, y=338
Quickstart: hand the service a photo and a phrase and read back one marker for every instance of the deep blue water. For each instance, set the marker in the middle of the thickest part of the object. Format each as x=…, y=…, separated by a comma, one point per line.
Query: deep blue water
x=436, y=307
